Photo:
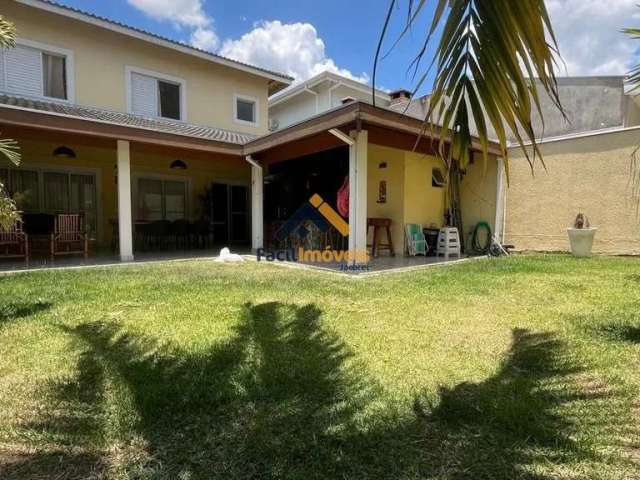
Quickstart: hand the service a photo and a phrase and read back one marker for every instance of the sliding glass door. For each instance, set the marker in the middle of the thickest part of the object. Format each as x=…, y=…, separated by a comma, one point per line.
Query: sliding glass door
x=161, y=199
x=53, y=192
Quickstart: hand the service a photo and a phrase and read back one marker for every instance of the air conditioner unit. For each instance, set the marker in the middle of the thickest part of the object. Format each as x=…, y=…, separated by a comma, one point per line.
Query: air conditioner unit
x=273, y=124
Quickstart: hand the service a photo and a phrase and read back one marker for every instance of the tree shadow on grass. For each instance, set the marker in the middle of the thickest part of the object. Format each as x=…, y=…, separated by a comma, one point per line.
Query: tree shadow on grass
x=12, y=311
x=621, y=332
x=284, y=398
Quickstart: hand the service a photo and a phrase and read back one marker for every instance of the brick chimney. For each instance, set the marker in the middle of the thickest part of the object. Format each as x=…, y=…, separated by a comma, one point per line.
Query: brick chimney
x=400, y=97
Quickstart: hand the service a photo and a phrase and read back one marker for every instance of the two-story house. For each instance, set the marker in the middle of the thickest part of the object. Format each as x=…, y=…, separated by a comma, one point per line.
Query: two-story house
x=124, y=126
x=156, y=144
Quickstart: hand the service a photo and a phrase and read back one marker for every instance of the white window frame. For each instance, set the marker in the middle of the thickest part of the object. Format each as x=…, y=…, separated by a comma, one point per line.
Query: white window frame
x=129, y=70
x=52, y=50
x=256, y=111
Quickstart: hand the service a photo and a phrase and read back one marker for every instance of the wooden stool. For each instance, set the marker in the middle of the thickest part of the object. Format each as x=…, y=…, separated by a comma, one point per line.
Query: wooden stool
x=377, y=224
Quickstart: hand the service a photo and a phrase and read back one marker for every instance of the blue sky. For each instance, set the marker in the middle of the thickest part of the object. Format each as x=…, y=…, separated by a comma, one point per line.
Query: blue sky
x=303, y=37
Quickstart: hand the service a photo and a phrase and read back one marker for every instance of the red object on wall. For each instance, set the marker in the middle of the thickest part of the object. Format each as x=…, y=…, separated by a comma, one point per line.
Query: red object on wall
x=343, y=198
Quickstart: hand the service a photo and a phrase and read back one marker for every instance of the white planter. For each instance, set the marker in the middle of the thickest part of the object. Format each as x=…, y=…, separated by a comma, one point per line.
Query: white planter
x=581, y=240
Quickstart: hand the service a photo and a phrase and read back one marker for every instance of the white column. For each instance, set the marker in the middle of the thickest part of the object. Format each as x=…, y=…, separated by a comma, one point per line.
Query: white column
x=358, y=192
x=498, y=227
x=257, y=214
x=125, y=223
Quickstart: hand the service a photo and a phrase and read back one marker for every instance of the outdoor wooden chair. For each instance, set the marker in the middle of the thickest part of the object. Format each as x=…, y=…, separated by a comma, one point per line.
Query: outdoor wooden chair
x=14, y=243
x=69, y=236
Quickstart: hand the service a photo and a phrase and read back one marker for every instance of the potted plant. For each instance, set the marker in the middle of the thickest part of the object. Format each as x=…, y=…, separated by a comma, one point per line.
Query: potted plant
x=581, y=236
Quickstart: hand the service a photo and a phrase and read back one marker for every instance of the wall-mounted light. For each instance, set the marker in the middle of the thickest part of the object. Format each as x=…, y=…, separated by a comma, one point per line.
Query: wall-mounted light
x=382, y=165
x=64, y=152
x=178, y=165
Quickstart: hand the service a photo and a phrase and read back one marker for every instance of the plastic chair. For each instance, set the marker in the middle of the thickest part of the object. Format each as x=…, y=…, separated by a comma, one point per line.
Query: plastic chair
x=416, y=242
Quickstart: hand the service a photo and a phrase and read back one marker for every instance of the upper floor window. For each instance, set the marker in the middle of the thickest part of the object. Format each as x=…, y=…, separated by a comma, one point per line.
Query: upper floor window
x=155, y=95
x=245, y=110
x=37, y=70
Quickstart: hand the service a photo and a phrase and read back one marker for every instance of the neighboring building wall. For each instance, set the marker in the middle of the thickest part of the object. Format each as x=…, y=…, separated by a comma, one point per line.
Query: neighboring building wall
x=100, y=160
x=101, y=56
x=588, y=175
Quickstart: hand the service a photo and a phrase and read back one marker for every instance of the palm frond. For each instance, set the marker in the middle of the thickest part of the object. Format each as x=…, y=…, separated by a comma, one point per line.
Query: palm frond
x=7, y=33
x=10, y=149
x=491, y=60
x=633, y=78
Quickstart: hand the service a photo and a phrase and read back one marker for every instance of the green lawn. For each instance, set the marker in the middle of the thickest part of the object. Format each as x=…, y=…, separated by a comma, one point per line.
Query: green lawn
x=526, y=367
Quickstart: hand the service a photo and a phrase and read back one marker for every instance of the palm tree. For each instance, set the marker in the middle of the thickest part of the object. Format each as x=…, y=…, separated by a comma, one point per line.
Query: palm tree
x=9, y=148
x=487, y=55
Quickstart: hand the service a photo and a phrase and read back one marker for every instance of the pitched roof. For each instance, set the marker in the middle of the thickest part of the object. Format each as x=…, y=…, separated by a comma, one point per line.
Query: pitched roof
x=72, y=12
x=325, y=76
x=126, y=120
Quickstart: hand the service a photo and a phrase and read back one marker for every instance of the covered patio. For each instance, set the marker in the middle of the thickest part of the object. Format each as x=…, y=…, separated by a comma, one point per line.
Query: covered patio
x=137, y=186
x=393, y=180
x=158, y=189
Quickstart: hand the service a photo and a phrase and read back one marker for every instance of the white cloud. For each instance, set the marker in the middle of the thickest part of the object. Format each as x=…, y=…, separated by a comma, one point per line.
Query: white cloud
x=183, y=13
x=589, y=36
x=294, y=49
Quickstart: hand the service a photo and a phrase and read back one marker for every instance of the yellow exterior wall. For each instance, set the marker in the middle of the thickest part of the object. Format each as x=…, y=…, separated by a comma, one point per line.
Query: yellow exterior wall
x=478, y=195
x=394, y=175
x=410, y=196
x=424, y=203
x=588, y=175
x=101, y=56
x=101, y=161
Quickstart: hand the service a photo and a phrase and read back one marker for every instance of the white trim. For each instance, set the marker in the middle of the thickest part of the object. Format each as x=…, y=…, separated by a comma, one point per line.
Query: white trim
x=147, y=37
x=342, y=136
x=129, y=69
x=256, y=109
x=590, y=133
x=55, y=50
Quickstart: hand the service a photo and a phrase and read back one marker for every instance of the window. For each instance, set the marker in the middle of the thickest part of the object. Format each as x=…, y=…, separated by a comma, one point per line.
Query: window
x=54, y=72
x=71, y=193
x=154, y=96
x=437, y=178
x=161, y=199
x=38, y=191
x=36, y=70
x=169, y=94
x=246, y=110
x=23, y=187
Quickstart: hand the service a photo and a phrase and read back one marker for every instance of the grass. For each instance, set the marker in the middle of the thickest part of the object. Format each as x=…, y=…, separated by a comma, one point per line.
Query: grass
x=527, y=367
